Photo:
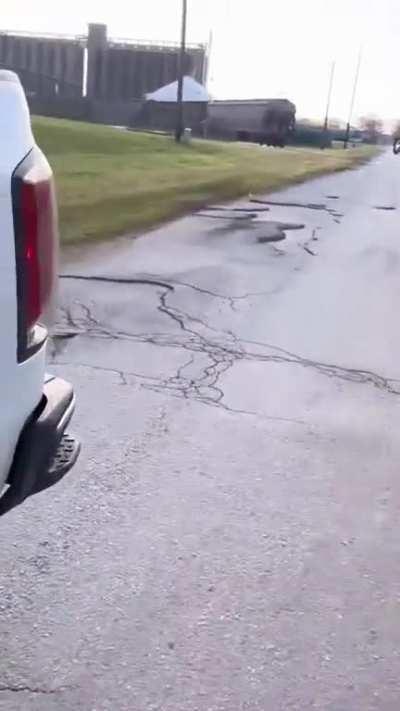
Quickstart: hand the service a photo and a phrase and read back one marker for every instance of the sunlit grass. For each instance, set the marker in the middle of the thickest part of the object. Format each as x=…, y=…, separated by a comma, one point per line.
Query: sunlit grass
x=113, y=182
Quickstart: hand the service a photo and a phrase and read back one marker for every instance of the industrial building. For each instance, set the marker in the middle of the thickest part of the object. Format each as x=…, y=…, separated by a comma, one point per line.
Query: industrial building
x=94, y=65
x=134, y=83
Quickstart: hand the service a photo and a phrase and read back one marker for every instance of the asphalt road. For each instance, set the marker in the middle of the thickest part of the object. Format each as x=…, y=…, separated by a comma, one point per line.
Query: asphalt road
x=229, y=540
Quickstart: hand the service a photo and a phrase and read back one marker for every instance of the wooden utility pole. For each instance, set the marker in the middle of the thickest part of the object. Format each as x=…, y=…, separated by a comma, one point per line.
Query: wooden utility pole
x=182, y=56
x=353, y=98
x=328, y=103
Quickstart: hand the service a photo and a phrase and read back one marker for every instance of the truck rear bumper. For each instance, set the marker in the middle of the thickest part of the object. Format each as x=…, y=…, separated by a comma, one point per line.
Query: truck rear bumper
x=44, y=453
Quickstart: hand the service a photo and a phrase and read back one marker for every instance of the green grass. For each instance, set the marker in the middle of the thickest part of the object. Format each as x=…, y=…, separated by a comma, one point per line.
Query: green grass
x=113, y=182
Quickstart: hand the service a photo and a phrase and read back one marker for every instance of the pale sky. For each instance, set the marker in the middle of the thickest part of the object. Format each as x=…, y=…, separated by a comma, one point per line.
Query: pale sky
x=261, y=48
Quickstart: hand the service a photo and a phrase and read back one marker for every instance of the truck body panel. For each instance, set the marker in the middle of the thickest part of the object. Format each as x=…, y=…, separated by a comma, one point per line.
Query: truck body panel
x=20, y=384
x=35, y=409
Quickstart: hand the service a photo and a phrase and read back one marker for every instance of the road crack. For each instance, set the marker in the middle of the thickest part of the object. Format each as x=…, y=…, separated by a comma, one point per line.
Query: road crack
x=171, y=283
x=318, y=206
x=117, y=280
x=222, y=349
x=20, y=689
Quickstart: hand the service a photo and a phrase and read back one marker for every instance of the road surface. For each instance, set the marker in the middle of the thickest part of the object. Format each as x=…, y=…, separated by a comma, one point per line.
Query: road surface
x=229, y=540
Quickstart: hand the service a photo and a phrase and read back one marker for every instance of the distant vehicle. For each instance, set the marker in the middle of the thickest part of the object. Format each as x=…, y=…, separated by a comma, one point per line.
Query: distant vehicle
x=265, y=121
x=35, y=408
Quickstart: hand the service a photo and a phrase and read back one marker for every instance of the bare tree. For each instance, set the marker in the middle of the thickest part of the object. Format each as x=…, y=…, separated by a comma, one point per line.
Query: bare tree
x=372, y=127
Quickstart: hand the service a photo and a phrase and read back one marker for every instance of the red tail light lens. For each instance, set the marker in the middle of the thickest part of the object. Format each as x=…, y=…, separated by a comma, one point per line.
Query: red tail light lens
x=36, y=241
x=30, y=257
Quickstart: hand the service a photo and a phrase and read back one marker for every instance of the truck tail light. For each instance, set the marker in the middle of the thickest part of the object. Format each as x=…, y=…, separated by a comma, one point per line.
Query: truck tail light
x=36, y=243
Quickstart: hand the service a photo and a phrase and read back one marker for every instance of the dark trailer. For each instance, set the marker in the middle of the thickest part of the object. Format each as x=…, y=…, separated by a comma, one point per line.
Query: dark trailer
x=266, y=121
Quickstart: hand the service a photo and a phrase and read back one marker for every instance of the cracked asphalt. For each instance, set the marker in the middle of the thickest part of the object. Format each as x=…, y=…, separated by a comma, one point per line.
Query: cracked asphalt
x=228, y=540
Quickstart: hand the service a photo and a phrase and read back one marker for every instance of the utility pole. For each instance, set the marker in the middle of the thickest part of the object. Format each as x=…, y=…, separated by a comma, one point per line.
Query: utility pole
x=182, y=57
x=328, y=103
x=353, y=98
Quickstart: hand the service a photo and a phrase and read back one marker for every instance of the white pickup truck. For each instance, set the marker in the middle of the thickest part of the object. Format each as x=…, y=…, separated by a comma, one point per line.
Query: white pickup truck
x=35, y=408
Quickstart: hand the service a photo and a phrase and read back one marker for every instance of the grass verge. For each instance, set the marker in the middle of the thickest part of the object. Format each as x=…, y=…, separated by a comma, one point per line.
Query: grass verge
x=114, y=182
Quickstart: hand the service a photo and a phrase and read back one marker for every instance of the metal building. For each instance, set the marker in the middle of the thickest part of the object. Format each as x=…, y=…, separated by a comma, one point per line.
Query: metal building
x=94, y=65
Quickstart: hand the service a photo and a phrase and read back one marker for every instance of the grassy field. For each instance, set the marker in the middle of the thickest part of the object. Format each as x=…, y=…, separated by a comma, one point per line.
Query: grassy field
x=114, y=182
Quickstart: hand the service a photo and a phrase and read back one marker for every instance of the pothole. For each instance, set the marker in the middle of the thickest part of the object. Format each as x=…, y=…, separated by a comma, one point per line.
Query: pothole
x=276, y=231
x=301, y=205
x=278, y=237
x=216, y=208
x=240, y=218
